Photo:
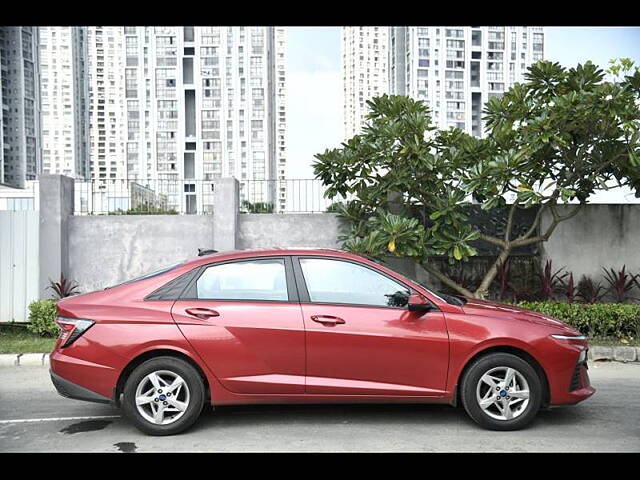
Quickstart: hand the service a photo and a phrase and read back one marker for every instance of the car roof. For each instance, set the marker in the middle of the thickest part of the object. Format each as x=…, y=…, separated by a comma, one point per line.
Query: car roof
x=267, y=252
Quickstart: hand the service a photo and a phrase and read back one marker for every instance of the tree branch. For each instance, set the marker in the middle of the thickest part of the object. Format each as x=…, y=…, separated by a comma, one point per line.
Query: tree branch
x=521, y=242
x=446, y=280
x=507, y=230
x=536, y=221
x=483, y=289
x=494, y=240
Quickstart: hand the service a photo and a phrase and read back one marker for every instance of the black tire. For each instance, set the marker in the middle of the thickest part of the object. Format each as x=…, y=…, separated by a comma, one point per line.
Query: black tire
x=196, y=391
x=483, y=365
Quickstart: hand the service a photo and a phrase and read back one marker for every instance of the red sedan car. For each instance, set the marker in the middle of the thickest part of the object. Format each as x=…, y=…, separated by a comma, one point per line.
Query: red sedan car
x=312, y=326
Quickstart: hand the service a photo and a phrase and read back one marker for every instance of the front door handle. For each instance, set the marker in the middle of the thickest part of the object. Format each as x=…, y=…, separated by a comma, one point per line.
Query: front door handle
x=327, y=320
x=203, y=313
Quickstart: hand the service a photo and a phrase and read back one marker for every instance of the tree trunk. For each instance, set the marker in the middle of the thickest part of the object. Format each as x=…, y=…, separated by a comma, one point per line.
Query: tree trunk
x=446, y=280
x=483, y=289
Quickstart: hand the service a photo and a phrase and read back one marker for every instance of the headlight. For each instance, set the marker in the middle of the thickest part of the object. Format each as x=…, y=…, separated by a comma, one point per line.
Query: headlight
x=583, y=356
x=569, y=337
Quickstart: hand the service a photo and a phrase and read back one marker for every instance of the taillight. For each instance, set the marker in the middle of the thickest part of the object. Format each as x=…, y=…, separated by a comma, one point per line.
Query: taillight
x=71, y=329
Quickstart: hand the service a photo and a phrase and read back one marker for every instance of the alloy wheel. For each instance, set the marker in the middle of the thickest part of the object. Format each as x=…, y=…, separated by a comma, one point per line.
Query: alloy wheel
x=503, y=393
x=162, y=397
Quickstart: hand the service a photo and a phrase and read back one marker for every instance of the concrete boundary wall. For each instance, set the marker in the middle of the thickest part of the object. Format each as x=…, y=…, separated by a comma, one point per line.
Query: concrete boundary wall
x=259, y=230
x=98, y=251
x=599, y=236
x=108, y=249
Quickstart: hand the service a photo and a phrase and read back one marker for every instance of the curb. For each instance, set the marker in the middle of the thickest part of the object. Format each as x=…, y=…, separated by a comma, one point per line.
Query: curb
x=24, y=359
x=617, y=354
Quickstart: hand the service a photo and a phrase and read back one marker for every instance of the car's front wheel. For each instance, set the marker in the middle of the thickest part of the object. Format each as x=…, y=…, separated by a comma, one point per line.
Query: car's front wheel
x=163, y=396
x=501, y=391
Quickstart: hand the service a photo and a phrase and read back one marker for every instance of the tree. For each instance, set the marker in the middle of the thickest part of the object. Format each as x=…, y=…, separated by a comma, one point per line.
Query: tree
x=257, y=207
x=554, y=139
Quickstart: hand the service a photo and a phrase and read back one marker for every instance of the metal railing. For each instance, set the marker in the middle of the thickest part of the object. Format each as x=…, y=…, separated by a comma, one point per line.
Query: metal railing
x=283, y=196
x=119, y=196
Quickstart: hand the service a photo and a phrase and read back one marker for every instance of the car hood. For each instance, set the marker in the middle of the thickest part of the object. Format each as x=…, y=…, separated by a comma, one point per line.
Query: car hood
x=475, y=306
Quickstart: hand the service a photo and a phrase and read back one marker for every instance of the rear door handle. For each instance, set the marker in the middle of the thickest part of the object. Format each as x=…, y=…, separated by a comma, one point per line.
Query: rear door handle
x=327, y=320
x=203, y=313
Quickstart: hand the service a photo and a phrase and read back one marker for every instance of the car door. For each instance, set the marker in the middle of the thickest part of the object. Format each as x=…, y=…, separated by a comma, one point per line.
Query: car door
x=361, y=338
x=243, y=318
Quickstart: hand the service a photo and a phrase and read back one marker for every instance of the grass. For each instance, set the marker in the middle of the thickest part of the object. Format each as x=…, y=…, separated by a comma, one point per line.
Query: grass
x=17, y=339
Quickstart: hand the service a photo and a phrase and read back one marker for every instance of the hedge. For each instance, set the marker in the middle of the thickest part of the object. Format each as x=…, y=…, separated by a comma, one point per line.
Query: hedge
x=594, y=320
x=42, y=318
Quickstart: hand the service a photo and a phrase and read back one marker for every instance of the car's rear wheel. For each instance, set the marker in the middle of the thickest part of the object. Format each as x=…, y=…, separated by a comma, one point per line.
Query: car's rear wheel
x=501, y=391
x=163, y=396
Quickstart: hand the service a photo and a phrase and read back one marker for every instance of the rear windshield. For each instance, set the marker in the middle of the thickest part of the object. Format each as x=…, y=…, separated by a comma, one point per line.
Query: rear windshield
x=148, y=275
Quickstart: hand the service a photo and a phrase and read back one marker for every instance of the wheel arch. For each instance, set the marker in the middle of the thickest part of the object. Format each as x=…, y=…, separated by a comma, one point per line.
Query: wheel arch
x=523, y=354
x=148, y=355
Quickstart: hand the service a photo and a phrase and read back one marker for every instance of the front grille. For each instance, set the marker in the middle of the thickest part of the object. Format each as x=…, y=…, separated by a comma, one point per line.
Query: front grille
x=575, y=379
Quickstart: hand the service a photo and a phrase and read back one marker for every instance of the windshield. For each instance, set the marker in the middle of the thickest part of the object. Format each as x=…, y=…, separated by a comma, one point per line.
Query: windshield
x=148, y=275
x=450, y=299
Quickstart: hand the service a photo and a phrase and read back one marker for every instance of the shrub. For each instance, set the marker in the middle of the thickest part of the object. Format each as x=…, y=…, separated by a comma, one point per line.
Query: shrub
x=590, y=291
x=569, y=288
x=550, y=281
x=146, y=208
x=620, y=282
x=594, y=320
x=257, y=207
x=64, y=288
x=42, y=318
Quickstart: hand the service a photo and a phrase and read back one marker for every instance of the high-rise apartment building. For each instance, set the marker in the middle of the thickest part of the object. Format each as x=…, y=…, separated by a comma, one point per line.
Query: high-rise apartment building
x=364, y=72
x=203, y=103
x=456, y=70
x=64, y=91
x=107, y=118
x=20, y=99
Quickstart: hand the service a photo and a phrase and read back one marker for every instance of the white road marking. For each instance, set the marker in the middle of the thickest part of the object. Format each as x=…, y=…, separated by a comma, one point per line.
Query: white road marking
x=57, y=419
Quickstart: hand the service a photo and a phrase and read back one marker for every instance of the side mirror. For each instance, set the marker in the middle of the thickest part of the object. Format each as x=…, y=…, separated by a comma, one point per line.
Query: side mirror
x=417, y=303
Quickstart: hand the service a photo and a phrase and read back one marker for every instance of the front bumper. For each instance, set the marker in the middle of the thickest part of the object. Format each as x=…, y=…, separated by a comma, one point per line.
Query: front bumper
x=580, y=387
x=71, y=390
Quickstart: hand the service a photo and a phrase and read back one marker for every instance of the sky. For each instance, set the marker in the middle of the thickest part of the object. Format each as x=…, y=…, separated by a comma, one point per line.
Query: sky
x=314, y=82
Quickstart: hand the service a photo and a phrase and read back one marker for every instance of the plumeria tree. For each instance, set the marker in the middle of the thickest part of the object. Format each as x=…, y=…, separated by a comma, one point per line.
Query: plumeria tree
x=554, y=139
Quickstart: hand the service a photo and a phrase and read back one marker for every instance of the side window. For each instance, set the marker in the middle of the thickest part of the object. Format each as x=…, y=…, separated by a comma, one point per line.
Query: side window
x=250, y=280
x=335, y=281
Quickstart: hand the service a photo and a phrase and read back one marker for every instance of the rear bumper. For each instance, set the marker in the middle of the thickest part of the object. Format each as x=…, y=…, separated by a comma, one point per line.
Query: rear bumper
x=81, y=379
x=71, y=390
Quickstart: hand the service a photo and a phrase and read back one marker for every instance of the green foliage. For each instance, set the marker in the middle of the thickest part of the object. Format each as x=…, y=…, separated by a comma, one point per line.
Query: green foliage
x=257, y=207
x=145, y=209
x=397, y=153
x=385, y=234
x=335, y=207
x=595, y=320
x=42, y=318
x=561, y=135
x=556, y=137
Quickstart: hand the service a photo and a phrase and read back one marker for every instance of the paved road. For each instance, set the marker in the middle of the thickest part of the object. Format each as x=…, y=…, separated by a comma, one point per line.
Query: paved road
x=607, y=422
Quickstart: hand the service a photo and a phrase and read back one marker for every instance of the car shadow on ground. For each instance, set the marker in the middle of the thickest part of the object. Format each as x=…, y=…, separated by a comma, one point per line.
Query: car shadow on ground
x=384, y=414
